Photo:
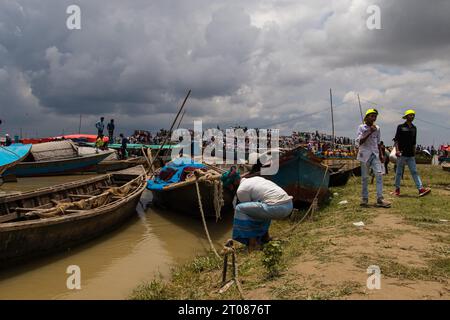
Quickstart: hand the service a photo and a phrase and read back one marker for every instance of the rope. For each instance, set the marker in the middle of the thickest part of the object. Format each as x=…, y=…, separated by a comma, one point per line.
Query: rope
x=204, y=220
x=86, y=204
x=218, y=198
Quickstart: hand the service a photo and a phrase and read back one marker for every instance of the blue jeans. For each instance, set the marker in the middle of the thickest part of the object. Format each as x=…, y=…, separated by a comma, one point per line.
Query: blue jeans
x=374, y=163
x=411, y=162
x=262, y=211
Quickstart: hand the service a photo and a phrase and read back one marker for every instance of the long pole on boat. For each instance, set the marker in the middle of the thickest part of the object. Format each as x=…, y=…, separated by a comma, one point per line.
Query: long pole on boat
x=360, y=109
x=181, y=119
x=170, y=131
x=79, y=126
x=332, y=118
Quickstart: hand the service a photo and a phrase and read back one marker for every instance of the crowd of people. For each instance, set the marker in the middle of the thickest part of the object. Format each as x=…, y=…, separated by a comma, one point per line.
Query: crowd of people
x=146, y=137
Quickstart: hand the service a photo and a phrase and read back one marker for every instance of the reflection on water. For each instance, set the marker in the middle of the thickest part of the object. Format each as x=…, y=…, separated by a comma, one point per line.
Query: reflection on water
x=114, y=264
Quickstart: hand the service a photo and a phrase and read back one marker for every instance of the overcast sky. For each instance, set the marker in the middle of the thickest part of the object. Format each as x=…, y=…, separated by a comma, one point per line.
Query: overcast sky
x=257, y=63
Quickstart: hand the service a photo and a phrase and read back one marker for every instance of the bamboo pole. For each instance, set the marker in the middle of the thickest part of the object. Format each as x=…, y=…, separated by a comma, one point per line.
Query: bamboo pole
x=171, y=128
x=360, y=109
x=332, y=118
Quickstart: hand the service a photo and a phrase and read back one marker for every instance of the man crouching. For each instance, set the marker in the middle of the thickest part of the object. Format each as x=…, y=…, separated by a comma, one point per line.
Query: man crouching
x=260, y=201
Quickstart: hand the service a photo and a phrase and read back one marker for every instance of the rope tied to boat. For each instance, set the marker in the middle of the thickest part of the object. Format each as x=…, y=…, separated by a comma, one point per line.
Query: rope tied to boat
x=199, y=198
x=211, y=177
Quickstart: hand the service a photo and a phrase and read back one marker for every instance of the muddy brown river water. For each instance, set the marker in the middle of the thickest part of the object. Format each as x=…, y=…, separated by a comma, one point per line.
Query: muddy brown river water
x=114, y=264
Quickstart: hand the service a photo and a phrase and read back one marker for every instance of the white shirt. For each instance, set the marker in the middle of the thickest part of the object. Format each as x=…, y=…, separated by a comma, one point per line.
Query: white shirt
x=259, y=189
x=370, y=146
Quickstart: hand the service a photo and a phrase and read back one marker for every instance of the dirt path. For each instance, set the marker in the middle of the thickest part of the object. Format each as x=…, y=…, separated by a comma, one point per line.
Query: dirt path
x=406, y=255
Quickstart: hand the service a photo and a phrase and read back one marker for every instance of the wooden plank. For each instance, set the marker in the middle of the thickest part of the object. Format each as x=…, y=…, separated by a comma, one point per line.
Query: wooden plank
x=8, y=217
x=82, y=196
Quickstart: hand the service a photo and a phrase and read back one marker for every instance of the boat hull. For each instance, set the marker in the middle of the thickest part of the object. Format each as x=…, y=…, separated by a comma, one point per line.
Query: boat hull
x=57, y=167
x=21, y=241
x=339, y=178
x=302, y=176
x=446, y=166
x=185, y=200
x=115, y=165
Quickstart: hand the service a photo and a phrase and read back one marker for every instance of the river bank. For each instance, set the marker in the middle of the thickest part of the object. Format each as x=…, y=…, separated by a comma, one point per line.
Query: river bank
x=328, y=257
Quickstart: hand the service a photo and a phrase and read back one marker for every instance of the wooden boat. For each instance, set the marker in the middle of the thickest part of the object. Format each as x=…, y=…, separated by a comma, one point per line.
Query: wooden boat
x=446, y=166
x=115, y=165
x=112, y=162
x=54, y=158
x=339, y=176
x=11, y=155
x=301, y=175
x=136, y=150
x=352, y=165
x=423, y=157
x=179, y=192
x=59, y=217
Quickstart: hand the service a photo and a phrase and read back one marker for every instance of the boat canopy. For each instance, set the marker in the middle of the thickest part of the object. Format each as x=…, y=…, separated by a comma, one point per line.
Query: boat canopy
x=13, y=153
x=54, y=150
x=173, y=172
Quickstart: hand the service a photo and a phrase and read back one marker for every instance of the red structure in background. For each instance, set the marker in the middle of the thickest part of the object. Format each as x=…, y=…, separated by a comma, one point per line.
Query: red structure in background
x=74, y=137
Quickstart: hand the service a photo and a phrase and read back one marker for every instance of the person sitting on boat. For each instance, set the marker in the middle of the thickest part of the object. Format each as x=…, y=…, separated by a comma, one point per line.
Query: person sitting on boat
x=8, y=140
x=123, y=148
x=259, y=201
x=99, y=143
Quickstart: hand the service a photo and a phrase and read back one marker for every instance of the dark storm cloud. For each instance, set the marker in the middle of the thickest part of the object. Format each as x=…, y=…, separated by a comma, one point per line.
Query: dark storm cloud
x=412, y=32
x=254, y=62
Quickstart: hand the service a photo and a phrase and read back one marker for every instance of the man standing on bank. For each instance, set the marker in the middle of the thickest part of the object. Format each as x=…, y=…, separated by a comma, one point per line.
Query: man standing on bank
x=405, y=144
x=110, y=126
x=369, y=154
x=100, y=125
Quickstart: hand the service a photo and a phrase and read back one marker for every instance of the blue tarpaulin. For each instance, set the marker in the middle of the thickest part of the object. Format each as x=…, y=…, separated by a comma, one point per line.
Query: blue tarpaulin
x=173, y=172
x=13, y=153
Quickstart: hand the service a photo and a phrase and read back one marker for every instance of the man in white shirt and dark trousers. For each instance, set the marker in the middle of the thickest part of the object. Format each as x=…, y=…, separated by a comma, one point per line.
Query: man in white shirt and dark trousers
x=260, y=201
x=371, y=157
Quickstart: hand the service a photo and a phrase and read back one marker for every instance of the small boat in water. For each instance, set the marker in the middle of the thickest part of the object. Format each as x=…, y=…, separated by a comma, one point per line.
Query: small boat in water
x=56, y=218
x=174, y=188
x=55, y=158
x=11, y=155
x=112, y=162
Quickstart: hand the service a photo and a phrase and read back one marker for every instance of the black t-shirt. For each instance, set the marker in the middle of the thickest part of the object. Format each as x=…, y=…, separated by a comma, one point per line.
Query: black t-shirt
x=406, y=139
x=124, y=143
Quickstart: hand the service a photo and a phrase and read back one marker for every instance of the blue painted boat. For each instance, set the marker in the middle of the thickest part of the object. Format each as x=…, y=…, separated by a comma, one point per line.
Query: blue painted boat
x=174, y=188
x=301, y=175
x=54, y=158
x=11, y=155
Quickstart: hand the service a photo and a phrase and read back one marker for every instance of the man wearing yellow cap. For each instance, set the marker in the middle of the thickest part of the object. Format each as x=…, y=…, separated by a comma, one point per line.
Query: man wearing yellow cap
x=369, y=154
x=405, y=144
